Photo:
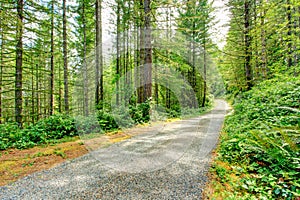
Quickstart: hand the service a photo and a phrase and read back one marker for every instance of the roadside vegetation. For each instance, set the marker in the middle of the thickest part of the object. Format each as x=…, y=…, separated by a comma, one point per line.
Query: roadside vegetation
x=58, y=138
x=54, y=128
x=259, y=152
x=61, y=128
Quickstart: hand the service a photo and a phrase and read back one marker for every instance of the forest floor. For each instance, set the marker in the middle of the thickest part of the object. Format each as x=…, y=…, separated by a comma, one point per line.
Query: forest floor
x=168, y=160
x=17, y=163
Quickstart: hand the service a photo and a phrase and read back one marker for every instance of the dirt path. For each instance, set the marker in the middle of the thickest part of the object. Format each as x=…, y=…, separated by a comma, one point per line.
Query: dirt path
x=168, y=161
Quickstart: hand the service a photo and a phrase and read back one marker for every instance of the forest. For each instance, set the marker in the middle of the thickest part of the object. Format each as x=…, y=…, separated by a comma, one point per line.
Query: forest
x=75, y=67
x=59, y=61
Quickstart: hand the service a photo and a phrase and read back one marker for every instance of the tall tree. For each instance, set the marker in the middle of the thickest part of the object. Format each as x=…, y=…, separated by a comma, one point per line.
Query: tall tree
x=148, y=51
x=19, y=63
x=1, y=62
x=65, y=54
x=145, y=92
x=86, y=90
x=247, y=29
x=99, y=56
x=118, y=51
x=51, y=109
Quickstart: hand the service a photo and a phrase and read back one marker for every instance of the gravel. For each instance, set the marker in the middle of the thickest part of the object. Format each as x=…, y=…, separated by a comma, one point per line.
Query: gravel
x=167, y=164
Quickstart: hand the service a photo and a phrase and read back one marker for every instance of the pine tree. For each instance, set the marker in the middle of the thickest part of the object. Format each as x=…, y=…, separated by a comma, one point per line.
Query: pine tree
x=19, y=63
x=65, y=53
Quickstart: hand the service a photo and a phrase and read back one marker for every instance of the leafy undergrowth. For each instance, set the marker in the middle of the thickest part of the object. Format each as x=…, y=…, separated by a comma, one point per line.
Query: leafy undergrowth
x=45, y=131
x=52, y=129
x=259, y=152
x=56, y=127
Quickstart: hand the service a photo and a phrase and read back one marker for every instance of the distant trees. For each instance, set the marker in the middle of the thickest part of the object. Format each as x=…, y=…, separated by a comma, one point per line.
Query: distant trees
x=261, y=42
x=31, y=60
x=195, y=21
x=49, y=65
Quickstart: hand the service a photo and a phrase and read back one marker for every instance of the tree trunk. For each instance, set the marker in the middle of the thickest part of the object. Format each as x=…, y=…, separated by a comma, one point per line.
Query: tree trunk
x=168, y=92
x=1, y=68
x=204, y=73
x=66, y=84
x=248, y=70
x=99, y=59
x=38, y=106
x=85, y=70
x=32, y=94
x=193, y=83
x=52, y=62
x=141, y=89
x=136, y=51
x=155, y=80
x=59, y=90
x=19, y=63
x=148, y=51
x=118, y=54
x=263, y=42
x=289, y=35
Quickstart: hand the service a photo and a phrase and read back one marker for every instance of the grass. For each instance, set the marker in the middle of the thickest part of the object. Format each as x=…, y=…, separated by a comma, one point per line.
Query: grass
x=15, y=164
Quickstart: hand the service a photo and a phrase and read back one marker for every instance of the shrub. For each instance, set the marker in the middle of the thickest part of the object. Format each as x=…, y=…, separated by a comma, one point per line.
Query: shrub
x=9, y=134
x=51, y=128
x=106, y=120
x=140, y=113
x=263, y=137
x=87, y=125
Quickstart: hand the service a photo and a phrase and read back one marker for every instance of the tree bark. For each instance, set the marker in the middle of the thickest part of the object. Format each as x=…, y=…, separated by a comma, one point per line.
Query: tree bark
x=204, y=72
x=19, y=63
x=263, y=42
x=52, y=62
x=118, y=54
x=248, y=70
x=99, y=59
x=85, y=69
x=141, y=89
x=37, y=94
x=289, y=35
x=65, y=43
x=148, y=51
x=1, y=67
x=60, y=89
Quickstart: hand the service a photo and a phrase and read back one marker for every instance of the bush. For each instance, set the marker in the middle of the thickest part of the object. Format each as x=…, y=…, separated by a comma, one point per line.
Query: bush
x=106, y=120
x=51, y=128
x=140, y=113
x=9, y=135
x=87, y=125
x=263, y=137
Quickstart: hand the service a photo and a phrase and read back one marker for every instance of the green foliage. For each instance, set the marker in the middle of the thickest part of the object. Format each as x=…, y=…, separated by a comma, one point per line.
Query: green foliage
x=140, y=113
x=87, y=125
x=262, y=137
x=9, y=135
x=53, y=127
x=106, y=120
x=63, y=127
x=46, y=130
x=122, y=117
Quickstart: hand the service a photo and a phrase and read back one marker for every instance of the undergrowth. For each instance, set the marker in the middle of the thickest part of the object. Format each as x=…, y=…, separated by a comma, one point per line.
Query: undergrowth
x=59, y=127
x=260, y=144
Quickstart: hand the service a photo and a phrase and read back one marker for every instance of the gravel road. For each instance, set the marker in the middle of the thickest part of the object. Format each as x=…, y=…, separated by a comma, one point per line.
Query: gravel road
x=169, y=163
